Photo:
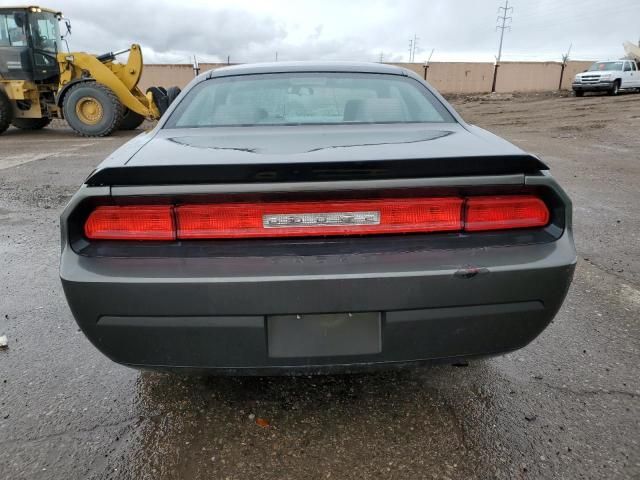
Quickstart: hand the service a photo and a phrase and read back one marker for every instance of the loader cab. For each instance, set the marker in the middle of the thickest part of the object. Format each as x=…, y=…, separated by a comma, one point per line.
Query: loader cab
x=29, y=43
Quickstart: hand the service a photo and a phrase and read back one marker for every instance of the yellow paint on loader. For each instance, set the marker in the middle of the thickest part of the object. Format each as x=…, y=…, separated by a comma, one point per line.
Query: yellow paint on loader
x=122, y=79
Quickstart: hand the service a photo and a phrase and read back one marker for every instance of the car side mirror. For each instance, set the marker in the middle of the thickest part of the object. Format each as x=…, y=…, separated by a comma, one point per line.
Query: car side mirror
x=68, y=25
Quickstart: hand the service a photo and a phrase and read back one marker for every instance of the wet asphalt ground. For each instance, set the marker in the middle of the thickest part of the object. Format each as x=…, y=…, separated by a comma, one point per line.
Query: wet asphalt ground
x=566, y=406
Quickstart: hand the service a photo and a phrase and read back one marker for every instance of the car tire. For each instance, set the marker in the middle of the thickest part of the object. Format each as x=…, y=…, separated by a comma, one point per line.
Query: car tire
x=615, y=89
x=131, y=120
x=6, y=111
x=579, y=93
x=92, y=109
x=31, y=123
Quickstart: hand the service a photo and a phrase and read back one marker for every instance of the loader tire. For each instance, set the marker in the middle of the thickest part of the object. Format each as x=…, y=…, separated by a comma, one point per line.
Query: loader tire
x=172, y=93
x=160, y=98
x=92, y=109
x=131, y=120
x=31, y=123
x=6, y=111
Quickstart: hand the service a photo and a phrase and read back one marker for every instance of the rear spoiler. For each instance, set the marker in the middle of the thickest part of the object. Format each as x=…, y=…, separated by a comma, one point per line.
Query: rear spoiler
x=308, y=172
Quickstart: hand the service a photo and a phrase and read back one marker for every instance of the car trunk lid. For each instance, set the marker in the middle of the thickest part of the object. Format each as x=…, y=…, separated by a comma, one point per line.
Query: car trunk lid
x=315, y=153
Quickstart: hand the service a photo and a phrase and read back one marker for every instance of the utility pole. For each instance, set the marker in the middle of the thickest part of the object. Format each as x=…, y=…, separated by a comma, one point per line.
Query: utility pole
x=565, y=59
x=503, y=18
x=381, y=57
x=413, y=46
x=196, y=66
x=426, y=64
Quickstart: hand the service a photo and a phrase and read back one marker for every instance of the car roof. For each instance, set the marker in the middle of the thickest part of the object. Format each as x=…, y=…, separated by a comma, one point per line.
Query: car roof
x=284, y=67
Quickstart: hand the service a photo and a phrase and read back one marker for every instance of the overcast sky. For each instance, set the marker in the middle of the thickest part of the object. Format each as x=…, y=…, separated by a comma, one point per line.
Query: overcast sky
x=254, y=30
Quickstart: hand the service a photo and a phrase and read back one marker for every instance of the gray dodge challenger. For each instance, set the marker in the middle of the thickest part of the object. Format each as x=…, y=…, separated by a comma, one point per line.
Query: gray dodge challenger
x=314, y=217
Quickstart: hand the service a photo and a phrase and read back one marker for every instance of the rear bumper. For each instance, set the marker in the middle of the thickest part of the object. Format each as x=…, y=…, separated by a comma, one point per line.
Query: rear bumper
x=212, y=313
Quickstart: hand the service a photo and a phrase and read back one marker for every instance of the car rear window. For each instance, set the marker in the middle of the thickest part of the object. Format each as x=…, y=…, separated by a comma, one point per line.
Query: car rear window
x=307, y=99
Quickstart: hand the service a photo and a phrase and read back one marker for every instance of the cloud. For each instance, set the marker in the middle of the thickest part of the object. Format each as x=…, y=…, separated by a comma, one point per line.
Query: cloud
x=172, y=30
x=254, y=30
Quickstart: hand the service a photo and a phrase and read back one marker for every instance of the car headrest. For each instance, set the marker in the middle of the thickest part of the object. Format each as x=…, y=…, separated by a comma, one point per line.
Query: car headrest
x=237, y=114
x=375, y=110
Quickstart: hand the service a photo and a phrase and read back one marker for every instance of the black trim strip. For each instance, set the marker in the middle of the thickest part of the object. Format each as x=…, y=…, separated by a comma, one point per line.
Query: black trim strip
x=324, y=171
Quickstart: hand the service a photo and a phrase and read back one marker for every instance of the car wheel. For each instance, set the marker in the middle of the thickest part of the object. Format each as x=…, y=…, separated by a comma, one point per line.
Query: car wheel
x=615, y=89
x=579, y=93
x=131, y=120
x=92, y=109
x=31, y=123
x=6, y=112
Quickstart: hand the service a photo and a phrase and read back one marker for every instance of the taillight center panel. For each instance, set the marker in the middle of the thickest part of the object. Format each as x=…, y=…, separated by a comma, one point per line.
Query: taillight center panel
x=316, y=245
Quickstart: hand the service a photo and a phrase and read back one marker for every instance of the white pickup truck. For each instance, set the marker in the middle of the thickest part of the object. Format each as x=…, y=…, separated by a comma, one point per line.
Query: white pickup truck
x=608, y=76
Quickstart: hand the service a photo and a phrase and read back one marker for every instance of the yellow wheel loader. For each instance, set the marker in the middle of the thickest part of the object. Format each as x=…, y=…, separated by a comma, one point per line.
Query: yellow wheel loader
x=95, y=95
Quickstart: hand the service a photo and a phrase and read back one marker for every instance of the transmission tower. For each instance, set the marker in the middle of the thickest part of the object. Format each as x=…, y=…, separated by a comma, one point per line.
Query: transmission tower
x=504, y=21
x=503, y=24
x=413, y=46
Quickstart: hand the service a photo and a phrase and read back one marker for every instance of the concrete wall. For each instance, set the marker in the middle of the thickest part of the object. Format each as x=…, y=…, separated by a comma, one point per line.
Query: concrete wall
x=571, y=70
x=449, y=77
x=165, y=75
x=536, y=76
x=446, y=77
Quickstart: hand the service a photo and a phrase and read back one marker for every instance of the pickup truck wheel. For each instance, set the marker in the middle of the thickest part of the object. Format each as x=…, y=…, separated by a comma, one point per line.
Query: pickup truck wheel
x=615, y=89
x=31, y=123
x=6, y=112
x=92, y=109
x=579, y=93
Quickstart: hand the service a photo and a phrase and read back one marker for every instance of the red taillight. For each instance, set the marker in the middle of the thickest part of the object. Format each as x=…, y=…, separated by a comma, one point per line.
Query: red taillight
x=504, y=212
x=315, y=218
x=136, y=222
x=303, y=219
